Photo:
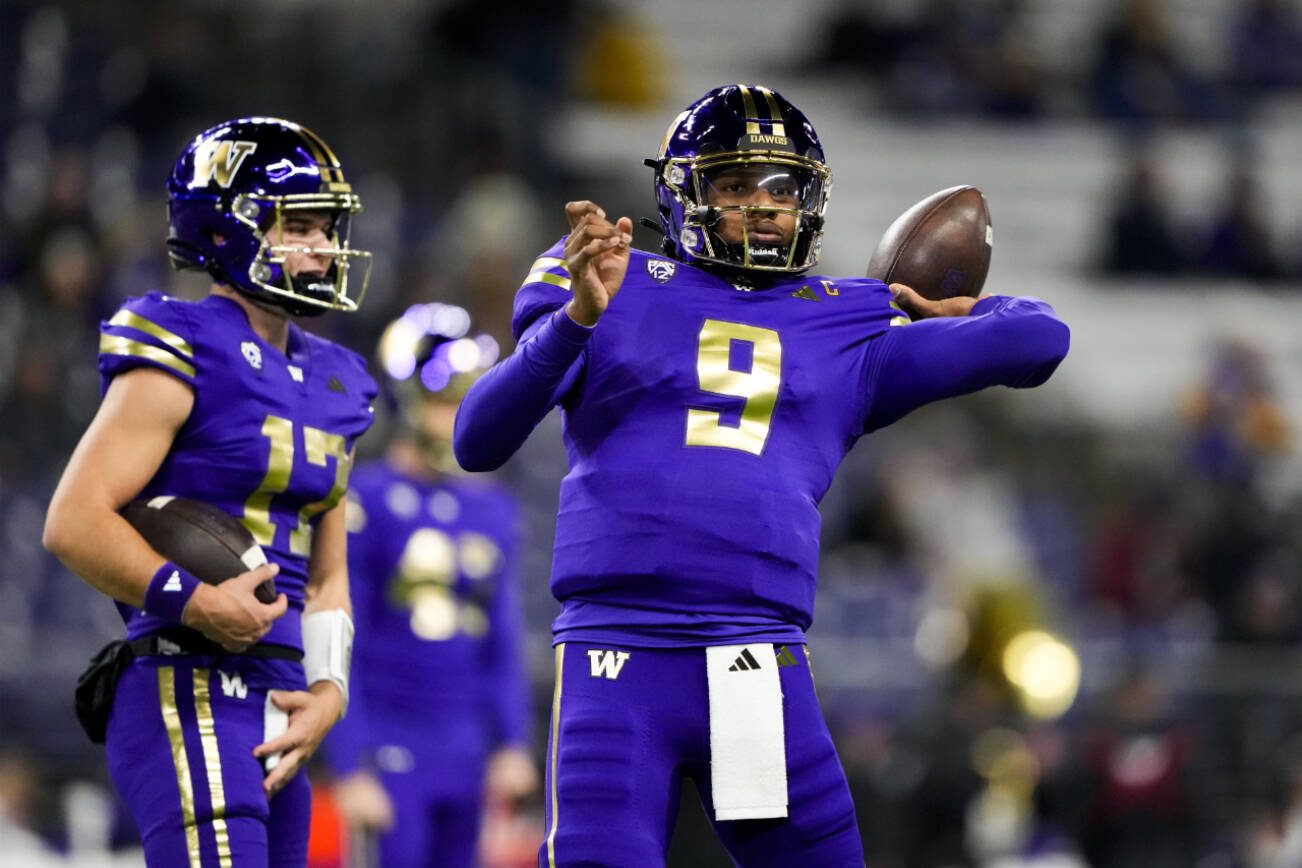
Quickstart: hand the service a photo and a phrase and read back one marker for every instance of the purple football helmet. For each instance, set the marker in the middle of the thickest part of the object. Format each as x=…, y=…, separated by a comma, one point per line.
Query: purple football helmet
x=228, y=195
x=433, y=350
x=748, y=132
x=431, y=353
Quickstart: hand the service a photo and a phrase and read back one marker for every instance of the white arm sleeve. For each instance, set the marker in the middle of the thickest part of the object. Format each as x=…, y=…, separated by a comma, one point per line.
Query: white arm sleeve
x=328, y=648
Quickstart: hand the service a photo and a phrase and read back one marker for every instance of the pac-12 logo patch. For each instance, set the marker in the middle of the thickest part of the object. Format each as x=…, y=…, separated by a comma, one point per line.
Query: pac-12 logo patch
x=660, y=269
x=252, y=354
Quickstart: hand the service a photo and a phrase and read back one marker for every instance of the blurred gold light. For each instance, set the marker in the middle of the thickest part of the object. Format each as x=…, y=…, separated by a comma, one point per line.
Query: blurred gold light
x=1045, y=670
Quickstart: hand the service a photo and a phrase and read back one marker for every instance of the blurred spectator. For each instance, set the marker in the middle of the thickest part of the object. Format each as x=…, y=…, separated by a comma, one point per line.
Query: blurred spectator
x=1140, y=236
x=1140, y=809
x=1235, y=421
x=621, y=63
x=486, y=240
x=1272, y=833
x=1237, y=241
x=1140, y=74
x=19, y=843
x=1265, y=48
x=1139, y=571
x=967, y=58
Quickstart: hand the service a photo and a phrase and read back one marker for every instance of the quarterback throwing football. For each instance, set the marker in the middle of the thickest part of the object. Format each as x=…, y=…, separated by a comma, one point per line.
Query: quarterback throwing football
x=709, y=394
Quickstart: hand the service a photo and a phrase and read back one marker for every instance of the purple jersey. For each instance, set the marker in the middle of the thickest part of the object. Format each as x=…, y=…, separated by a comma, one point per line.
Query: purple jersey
x=704, y=423
x=269, y=437
x=435, y=592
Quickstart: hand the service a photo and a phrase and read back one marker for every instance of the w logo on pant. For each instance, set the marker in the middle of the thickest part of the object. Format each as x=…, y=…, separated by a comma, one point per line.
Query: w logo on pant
x=607, y=663
x=233, y=685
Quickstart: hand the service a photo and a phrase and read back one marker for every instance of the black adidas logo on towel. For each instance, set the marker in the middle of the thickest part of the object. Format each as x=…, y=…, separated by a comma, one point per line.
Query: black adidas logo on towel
x=744, y=662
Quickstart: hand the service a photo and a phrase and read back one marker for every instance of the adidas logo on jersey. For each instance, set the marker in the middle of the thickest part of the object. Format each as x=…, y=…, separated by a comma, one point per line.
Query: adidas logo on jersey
x=607, y=663
x=295, y=373
x=745, y=662
x=173, y=582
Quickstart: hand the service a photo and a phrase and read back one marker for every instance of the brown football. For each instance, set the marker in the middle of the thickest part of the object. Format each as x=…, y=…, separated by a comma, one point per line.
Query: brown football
x=940, y=247
x=208, y=542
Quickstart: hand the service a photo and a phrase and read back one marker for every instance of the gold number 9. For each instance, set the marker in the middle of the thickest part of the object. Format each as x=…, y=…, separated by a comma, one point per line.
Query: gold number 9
x=759, y=386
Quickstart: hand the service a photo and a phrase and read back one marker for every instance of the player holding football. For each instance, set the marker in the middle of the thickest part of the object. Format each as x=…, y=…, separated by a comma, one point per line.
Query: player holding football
x=227, y=401
x=709, y=395
x=439, y=694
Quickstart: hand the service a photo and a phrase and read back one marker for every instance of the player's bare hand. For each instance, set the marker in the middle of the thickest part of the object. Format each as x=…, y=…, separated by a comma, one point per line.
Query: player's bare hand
x=511, y=775
x=918, y=307
x=363, y=801
x=311, y=714
x=596, y=256
x=230, y=614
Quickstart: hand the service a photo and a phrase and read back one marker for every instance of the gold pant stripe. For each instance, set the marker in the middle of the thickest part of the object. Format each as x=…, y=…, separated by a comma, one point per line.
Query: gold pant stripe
x=556, y=737
x=212, y=761
x=176, y=737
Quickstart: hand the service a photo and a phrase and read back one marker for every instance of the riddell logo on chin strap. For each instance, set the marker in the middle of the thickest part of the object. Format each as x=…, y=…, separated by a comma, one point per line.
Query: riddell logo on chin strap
x=607, y=663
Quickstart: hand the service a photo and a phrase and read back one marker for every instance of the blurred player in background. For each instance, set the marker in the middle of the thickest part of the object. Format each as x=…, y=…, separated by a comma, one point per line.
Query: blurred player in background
x=440, y=708
x=227, y=401
x=706, y=410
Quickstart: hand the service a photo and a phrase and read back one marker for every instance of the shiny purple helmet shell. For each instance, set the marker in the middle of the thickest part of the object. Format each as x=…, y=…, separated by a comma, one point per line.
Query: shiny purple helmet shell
x=227, y=195
x=737, y=126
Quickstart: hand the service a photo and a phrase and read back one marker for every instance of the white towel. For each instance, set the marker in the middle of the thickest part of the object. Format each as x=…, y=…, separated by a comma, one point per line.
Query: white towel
x=748, y=757
x=274, y=724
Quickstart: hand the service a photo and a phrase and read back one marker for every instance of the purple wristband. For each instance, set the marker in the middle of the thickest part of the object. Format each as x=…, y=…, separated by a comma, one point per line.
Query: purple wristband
x=168, y=592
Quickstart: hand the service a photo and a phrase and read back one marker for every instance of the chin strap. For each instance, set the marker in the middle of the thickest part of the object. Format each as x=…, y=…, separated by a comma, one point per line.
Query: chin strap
x=328, y=649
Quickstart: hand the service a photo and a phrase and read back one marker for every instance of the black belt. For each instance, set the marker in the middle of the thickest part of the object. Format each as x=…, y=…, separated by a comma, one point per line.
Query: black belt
x=173, y=641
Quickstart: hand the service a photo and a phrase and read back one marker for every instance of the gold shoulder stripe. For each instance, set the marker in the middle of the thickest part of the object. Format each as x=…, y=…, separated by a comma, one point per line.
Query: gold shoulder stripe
x=112, y=345
x=542, y=263
x=548, y=277
x=133, y=320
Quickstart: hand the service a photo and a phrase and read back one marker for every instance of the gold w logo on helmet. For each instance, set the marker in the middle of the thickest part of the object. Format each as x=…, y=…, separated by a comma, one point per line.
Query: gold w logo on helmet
x=219, y=160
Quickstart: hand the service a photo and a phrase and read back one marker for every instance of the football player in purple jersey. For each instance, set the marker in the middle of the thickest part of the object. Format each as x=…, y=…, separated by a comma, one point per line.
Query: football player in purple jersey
x=708, y=395
x=439, y=711
x=217, y=699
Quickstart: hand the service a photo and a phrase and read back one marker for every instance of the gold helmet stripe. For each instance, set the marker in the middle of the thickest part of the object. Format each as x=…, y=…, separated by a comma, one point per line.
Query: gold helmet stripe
x=330, y=171
x=779, y=128
x=752, y=128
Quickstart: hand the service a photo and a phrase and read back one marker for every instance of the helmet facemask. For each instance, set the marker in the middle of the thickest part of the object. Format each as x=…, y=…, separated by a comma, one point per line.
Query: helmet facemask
x=733, y=204
x=304, y=295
